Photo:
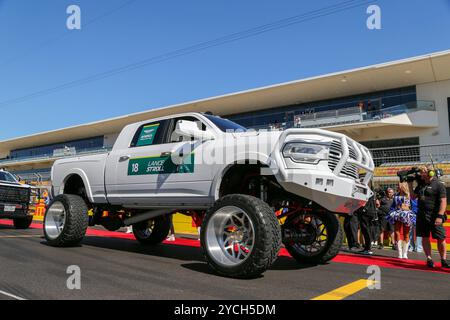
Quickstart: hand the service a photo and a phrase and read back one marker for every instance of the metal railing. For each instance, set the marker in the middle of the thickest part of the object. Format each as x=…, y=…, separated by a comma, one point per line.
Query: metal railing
x=418, y=154
x=348, y=115
x=389, y=161
x=34, y=176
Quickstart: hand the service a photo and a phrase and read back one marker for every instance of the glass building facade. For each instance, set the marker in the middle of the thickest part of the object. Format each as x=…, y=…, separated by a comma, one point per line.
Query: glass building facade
x=47, y=150
x=371, y=101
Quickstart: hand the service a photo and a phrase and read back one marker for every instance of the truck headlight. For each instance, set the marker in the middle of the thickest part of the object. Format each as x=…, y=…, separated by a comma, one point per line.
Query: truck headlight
x=306, y=152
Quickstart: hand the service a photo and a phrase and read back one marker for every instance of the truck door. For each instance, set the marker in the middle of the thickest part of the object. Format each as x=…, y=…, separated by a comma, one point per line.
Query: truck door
x=185, y=178
x=128, y=176
x=159, y=169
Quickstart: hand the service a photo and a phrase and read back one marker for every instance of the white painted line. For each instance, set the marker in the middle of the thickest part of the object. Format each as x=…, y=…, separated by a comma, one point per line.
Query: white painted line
x=11, y=295
x=13, y=237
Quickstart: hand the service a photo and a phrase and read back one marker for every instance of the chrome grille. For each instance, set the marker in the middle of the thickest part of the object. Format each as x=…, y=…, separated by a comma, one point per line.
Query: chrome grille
x=349, y=170
x=13, y=195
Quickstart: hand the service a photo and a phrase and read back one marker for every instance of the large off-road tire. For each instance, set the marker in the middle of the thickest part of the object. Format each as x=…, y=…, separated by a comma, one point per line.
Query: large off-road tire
x=240, y=236
x=327, y=241
x=66, y=221
x=153, y=231
x=23, y=223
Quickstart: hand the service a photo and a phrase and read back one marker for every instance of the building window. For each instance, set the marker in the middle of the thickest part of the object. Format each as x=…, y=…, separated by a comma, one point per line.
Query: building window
x=283, y=115
x=448, y=108
x=47, y=150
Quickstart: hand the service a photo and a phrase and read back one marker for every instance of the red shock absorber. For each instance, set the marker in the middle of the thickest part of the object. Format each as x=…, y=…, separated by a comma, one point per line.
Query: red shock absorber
x=197, y=217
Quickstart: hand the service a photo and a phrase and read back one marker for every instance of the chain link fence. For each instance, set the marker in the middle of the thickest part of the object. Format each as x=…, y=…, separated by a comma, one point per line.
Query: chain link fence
x=388, y=161
x=411, y=155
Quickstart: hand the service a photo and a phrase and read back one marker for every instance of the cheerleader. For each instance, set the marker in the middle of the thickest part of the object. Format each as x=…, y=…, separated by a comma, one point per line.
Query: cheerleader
x=403, y=217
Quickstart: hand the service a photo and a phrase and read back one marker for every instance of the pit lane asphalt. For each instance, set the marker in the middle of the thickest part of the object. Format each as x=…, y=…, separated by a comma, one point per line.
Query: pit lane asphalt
x=114, y=268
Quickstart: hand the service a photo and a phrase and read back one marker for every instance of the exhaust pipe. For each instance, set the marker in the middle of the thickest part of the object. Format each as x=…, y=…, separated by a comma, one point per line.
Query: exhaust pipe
x=144, y=217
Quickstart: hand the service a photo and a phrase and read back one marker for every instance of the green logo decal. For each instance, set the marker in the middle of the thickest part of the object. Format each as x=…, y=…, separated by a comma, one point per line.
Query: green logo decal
x=147, y=135
x=160, y=165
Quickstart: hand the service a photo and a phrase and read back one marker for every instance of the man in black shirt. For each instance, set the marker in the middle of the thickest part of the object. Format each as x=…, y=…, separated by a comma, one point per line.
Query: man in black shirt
x=432, y=202
x=366, y=215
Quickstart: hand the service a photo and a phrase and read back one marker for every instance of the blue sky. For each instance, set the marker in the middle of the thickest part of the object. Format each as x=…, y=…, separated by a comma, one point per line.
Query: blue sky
x=38, y=52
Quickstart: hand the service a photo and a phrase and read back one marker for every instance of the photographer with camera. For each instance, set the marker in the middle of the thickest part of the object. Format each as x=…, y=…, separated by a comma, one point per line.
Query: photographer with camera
x=432, y=202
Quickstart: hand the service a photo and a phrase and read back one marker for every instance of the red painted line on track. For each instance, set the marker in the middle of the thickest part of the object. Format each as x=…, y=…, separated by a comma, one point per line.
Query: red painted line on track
x=384, y=262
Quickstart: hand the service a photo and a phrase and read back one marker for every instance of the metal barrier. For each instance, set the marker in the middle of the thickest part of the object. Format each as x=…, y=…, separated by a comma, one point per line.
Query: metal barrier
x=389, y=161
x=413, y=155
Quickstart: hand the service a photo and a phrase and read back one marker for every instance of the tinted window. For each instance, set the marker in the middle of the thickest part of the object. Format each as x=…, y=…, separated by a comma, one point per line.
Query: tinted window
x=149, y=134
x=47, y=150
x=448, y=108
x=225, y=124
x=280, y=114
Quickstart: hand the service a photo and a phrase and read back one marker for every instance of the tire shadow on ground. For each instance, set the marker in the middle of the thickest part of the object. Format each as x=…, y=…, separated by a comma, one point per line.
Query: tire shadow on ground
x=288, y=263
x=172, y=251
x=6, y=227
x=193, y=255
x=177, y=252
x=281, y=264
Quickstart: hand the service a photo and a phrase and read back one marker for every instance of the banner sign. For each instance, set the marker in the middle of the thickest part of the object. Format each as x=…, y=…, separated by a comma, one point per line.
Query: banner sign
x=160, y=165
x=392, y=171
x=147, y=135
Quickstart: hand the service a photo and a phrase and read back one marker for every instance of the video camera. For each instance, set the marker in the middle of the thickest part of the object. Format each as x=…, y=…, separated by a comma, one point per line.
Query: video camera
x=379, y=193
x=410, y=175
x=413, y=174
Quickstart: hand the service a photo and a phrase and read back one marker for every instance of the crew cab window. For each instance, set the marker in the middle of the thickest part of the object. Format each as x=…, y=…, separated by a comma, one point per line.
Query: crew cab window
x=174, y=137
x=149, y=134
x=225, y=125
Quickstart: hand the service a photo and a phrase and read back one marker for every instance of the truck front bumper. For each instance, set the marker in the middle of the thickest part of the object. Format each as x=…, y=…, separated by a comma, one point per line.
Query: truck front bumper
x=11, y=211
x=336, y=194
x=330, y=187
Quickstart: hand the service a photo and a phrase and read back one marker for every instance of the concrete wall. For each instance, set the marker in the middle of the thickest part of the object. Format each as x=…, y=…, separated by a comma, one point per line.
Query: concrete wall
x=433, y=91
x=386, y=133
x=438, y=92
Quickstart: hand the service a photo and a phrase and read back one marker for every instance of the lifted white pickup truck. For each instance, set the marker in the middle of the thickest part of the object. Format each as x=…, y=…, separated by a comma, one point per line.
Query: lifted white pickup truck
x=254, y=189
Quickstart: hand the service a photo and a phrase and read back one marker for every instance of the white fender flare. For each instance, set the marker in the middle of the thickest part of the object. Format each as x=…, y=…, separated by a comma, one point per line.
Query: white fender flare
x=240, y=159
x=84, y=177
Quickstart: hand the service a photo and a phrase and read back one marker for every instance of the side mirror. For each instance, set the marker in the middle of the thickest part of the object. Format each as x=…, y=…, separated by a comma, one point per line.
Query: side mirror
x=190, y=129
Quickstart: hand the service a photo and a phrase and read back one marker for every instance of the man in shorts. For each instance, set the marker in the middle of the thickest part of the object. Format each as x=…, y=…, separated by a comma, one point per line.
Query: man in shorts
x=432, y=202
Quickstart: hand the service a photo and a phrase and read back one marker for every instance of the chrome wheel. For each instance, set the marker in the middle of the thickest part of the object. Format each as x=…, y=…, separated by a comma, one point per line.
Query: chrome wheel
x=230, y=236
x=55, y=219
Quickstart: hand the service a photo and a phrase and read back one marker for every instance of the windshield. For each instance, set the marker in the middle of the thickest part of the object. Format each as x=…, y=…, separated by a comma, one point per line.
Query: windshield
x=225, y=124
x=6, y=176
